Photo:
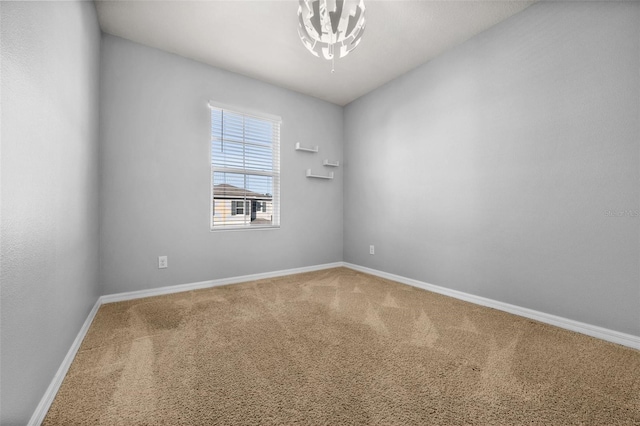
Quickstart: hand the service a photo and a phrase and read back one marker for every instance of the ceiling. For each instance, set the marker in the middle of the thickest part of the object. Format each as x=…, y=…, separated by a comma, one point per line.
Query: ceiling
x=259, y=38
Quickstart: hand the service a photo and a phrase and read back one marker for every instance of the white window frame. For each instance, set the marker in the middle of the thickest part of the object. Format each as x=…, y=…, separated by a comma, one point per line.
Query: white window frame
x=274, y=174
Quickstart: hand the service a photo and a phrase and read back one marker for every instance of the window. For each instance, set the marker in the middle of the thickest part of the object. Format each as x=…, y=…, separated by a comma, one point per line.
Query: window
x=237, y=207
x=245, y=170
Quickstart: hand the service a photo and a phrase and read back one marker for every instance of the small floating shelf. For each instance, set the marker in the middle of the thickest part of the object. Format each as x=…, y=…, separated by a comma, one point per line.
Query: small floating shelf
x=330, y=163
x=306, y=149
x=311, y=175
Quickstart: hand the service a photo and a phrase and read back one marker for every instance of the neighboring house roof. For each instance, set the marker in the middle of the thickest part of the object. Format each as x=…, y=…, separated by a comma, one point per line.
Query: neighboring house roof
x=224, y=190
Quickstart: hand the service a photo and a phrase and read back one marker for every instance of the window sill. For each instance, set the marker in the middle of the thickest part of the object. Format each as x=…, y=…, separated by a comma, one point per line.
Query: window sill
x=244, y=228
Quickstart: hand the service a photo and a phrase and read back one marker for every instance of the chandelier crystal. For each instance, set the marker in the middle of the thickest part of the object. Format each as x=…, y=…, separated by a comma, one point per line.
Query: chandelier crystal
x=331, y=27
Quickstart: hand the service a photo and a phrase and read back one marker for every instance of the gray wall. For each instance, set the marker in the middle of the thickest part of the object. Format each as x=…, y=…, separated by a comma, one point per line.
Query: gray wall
x=490, y=169
x=155, y=190
x=50, y=66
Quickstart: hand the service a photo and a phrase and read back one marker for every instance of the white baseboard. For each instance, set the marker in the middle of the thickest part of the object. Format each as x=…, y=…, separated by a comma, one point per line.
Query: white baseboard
x=52, y=390
x=590, y=330
x=119, y=297
x=568, y=324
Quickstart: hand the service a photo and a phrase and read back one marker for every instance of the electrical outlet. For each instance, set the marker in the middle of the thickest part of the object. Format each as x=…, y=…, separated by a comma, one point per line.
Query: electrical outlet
x=163, y=262
x=372, y=250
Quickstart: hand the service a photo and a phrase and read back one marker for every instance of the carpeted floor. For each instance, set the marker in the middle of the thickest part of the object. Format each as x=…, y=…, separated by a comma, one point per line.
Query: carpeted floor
x=338, y=347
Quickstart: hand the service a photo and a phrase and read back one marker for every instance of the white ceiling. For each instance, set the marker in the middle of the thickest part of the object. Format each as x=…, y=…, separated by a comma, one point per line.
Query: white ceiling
x=259, y=39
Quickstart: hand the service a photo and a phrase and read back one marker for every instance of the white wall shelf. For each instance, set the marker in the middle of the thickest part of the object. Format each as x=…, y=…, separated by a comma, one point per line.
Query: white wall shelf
x=330, y=163
x=311, y=175
x=306, y=149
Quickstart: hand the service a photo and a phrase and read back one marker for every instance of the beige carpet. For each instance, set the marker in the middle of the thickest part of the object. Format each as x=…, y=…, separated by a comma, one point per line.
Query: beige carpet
x=338, y=347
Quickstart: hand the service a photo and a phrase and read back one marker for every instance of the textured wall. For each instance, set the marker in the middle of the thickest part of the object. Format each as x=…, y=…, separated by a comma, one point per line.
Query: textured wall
x=491, y=169
x=50, y=66
x=155, y=131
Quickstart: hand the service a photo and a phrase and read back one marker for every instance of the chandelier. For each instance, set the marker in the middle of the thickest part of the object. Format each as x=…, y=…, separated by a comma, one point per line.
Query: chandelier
x=331, y=27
